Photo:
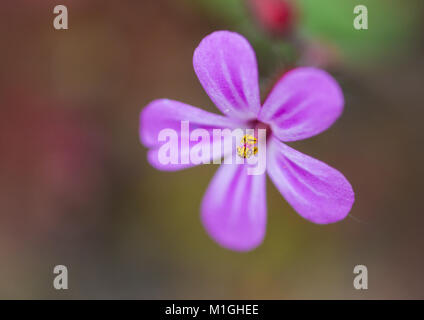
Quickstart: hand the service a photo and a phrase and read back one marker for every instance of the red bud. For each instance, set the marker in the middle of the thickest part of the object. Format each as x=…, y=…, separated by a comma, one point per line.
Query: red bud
x=275, y=16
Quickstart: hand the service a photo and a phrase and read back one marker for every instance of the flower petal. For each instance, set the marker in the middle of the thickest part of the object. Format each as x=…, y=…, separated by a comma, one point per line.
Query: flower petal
x=226, y=66
x=316, y=191
x=304, y=103
x=234, y=208
x=168, y=114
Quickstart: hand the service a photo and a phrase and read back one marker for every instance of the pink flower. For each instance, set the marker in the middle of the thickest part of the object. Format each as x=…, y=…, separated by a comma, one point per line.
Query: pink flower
x=304, y=103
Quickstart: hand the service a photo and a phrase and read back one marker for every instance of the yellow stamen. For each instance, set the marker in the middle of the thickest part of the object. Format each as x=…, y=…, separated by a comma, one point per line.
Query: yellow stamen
x=247, y=149
x=249, y=139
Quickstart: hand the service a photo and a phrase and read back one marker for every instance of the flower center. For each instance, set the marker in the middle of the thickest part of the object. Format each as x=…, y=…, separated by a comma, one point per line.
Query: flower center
x=247, y=146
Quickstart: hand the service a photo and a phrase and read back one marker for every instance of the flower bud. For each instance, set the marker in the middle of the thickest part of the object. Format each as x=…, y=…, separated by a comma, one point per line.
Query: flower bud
x=275, y=16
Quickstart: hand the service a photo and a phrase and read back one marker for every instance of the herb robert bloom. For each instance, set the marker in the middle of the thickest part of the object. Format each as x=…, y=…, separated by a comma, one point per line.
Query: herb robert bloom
x=304, y=103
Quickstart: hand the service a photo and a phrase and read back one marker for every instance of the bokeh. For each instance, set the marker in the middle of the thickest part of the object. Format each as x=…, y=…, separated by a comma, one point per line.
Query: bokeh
x=76, y=188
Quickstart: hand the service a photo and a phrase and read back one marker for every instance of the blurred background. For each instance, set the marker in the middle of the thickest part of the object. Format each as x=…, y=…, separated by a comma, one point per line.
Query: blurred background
x=76, y=189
